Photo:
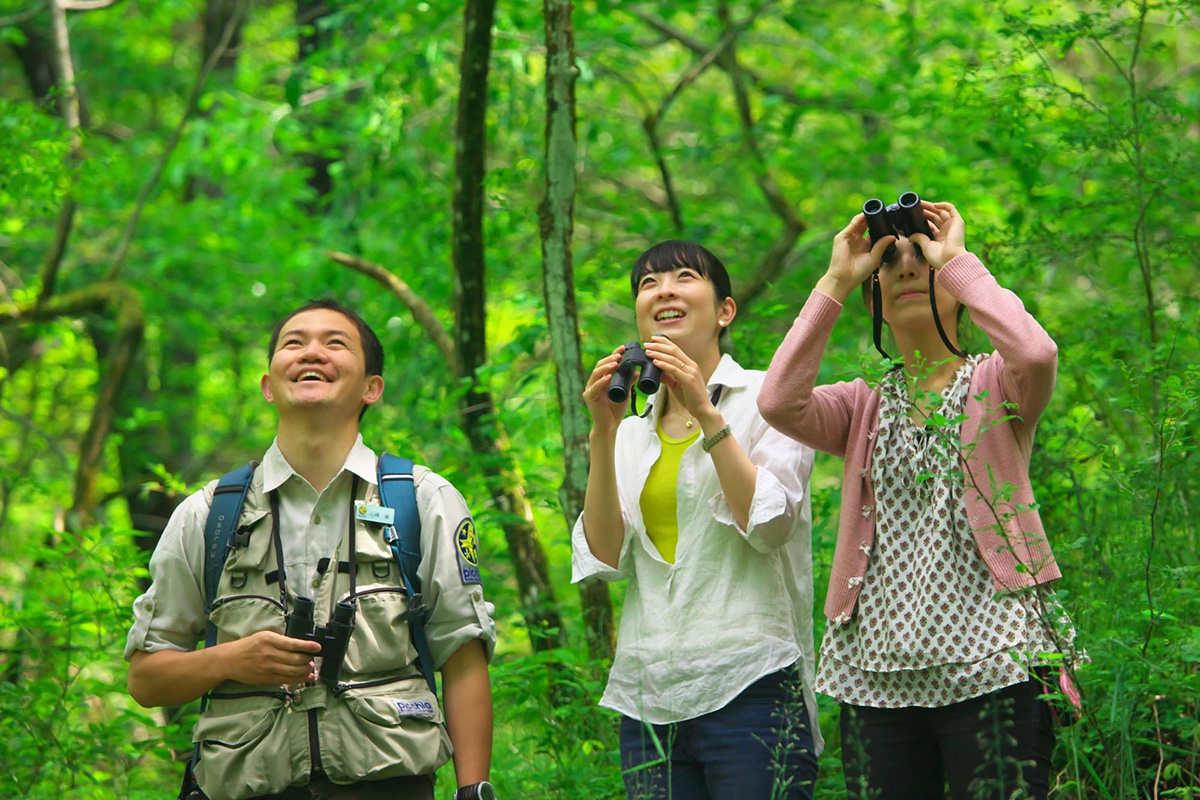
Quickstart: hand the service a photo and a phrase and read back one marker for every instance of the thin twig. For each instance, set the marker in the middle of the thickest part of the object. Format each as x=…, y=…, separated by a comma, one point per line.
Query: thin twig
x=422, y=312
x=28, y=426
x=190, y=109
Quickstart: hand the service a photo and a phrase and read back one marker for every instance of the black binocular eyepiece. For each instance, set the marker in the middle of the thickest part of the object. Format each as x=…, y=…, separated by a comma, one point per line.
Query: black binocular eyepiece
x=902, y=218
x=300, y=619
x=632, y=359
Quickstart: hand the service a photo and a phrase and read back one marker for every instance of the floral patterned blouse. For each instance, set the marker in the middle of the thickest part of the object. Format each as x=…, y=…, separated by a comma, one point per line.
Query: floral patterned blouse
x=930, y=629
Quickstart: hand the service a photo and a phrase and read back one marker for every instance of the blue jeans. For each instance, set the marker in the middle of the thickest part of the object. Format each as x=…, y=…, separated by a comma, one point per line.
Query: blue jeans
x=758, y=747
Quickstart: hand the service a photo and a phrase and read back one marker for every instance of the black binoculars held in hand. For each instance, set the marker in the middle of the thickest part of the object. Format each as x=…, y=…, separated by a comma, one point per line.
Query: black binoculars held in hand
x=300, y=620
x=633, y=358
x=333, y=637
x=902, y=218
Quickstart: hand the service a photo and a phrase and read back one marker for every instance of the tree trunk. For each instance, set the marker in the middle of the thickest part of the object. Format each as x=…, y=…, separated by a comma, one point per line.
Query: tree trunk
x=486, y=437
x=557, y=215
x=309, y=39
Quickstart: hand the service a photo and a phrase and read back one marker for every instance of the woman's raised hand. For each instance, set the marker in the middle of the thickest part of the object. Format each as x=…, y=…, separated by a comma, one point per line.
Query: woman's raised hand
x=680, y=373
x=606, y=415
x=853, y=259
x=949, y=232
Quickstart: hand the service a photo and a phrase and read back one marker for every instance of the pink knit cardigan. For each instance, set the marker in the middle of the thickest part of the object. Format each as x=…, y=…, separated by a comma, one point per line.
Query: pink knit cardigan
x=841, y=419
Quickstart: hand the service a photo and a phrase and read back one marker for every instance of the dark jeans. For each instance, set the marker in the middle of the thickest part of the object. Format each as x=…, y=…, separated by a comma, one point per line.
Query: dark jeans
x=993, y=747
x=419, y=787
x=759, y=742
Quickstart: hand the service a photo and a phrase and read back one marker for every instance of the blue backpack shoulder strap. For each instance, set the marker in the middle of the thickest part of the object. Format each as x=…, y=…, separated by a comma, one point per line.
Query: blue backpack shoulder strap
x=398, y=491
x=223, y=516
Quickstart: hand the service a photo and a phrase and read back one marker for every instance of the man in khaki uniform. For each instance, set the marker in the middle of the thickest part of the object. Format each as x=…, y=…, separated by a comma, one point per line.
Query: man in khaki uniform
x=270, y=728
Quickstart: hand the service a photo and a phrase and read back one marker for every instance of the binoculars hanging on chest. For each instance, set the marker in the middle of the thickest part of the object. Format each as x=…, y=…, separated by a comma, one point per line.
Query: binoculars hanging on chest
x=334, y=636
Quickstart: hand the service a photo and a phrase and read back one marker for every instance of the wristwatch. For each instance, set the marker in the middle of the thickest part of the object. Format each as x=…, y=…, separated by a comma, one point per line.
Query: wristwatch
x=476, y=791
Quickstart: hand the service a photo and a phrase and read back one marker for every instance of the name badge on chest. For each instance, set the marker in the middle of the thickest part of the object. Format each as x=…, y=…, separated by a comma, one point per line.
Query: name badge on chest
x=380, y=515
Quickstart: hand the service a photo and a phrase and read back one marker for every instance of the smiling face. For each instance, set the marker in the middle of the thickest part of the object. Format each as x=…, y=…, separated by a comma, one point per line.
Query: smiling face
x=319, y=365
x=682, y=290
x=682, y=305
x=904, y=284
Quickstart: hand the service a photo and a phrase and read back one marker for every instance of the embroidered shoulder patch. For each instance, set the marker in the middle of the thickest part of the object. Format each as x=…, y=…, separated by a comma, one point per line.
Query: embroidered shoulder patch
x=466, y=542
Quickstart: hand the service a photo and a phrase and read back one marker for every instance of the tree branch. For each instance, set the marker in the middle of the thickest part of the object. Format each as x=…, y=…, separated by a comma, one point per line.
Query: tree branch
x=71, y=114
x=766, y=87
x=776, y=257
x=192, y=102
x=422, y=312
x=86, y=5
x=22, y=16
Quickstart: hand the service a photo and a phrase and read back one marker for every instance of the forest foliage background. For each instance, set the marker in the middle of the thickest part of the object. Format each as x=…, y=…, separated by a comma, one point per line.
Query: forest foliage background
x=177, y=174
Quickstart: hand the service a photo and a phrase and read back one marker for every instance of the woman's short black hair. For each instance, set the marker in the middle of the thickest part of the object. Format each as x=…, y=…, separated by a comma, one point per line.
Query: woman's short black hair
x=676, y=254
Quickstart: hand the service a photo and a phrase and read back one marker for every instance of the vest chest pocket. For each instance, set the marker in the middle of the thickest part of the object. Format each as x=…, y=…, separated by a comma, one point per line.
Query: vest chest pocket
x=245, y=602
x=385, y=731
x=380, y=642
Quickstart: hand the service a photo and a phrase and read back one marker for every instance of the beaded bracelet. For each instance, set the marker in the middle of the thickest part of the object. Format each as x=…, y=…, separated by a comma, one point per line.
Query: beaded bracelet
x=711, y=442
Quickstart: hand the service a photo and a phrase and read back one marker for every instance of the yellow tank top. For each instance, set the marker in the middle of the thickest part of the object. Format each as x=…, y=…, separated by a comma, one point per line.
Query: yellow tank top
x=658, y=495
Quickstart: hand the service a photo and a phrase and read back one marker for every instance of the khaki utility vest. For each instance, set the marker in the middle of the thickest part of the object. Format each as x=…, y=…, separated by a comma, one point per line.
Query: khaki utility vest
x=381, y=721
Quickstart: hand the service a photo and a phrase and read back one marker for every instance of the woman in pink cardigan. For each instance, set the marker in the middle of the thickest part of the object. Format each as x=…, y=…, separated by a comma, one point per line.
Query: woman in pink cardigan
x=940, y=614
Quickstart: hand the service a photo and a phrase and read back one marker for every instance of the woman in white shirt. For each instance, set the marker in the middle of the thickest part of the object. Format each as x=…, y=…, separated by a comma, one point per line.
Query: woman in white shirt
x=704, y=508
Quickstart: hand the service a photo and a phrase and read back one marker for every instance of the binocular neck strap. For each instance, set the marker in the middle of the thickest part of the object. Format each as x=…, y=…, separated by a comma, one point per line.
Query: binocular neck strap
x=275, y=539
x=352, y=556
x=877, y=313
x=715, y=398
x=877, y=316
x=937, y=319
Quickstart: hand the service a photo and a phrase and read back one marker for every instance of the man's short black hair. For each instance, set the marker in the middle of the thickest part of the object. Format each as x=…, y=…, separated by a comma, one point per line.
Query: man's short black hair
x=676, y=254
x=372, y=348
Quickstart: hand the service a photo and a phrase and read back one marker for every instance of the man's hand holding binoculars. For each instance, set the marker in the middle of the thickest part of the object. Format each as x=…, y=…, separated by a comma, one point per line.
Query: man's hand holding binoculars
x=270, y=657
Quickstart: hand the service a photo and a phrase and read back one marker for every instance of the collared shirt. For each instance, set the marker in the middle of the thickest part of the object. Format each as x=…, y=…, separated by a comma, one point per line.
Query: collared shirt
x=170, y=615
x=737, y=603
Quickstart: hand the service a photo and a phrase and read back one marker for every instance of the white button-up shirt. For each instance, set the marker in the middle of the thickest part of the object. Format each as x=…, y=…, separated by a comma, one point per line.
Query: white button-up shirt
x=737, y=603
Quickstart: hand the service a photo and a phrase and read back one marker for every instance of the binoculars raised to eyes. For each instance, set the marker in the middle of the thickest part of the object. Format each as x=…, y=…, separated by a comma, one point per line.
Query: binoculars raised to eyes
x=902, y=218
x=633, y=358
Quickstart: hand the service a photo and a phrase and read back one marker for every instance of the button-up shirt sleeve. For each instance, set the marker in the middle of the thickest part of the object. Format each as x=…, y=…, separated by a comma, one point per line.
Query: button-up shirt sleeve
x=449, y=580
x=584, y=563
x=784, y=466
x=170, y=615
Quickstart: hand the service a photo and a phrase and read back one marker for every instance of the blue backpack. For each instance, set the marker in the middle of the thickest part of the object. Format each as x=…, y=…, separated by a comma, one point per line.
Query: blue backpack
x=397, y=491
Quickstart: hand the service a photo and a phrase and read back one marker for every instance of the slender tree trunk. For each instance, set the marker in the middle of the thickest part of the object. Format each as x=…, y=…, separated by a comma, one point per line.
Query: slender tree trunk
x=310, y=38
x=478, y=410
x=558, y=283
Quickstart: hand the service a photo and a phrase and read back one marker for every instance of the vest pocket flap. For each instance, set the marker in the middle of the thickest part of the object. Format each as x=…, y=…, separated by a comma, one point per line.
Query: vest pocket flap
x=371, y=545
x=252, y=555
x=238, y=616
x=233, y=731
x=393, y=708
